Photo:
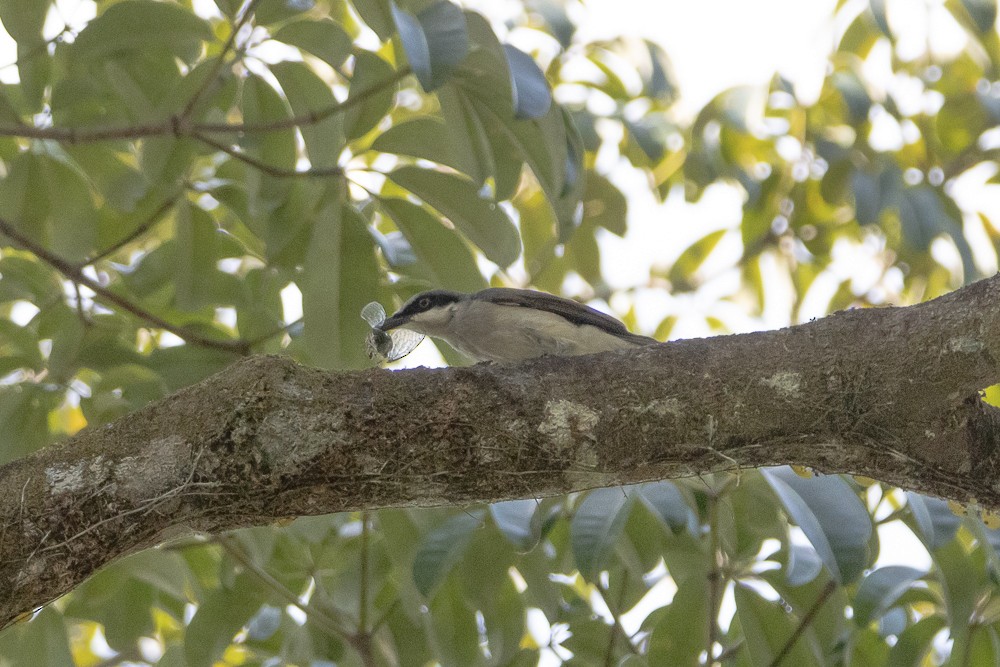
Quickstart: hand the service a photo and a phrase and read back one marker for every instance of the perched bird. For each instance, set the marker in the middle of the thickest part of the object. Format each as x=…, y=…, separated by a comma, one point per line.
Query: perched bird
x=504, y=324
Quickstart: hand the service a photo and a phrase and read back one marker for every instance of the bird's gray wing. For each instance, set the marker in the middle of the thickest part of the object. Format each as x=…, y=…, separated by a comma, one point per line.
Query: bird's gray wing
x=574, y=312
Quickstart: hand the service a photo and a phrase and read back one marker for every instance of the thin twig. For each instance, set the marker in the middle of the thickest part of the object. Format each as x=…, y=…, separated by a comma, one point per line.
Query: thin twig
x=616, y=624
x=830, y=587
x=212, y=76
x=318, y=616
x=75, y=274
x=269, y=169
x=284, y=328
x=714, y=575
x=363, y=593
x=136, y=233
x=173, y=126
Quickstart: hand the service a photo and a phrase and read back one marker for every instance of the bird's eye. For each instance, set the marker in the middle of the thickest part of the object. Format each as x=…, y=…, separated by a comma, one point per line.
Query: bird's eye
x=425, y=303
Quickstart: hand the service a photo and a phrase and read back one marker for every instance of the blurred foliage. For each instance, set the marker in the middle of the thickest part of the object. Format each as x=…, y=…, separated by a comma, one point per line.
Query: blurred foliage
x=173, y=181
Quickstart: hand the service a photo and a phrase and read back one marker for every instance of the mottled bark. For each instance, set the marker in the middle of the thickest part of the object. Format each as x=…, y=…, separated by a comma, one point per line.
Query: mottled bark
x=889, y=393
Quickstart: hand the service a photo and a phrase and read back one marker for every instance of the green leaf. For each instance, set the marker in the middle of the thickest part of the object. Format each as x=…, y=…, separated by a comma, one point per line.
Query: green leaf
x=880, y=590
x=194, y=258
x=530, y=90
x=442, y=548
x=924, y=213
x=321, y=285
x=323, y=38
x=73, y=214
x=452, y=264
x=41, y=641
x=340, y=277
x=683, y=270
x=377, y=14
x=436, y=40
x=596, y=526
x=370, y=72
x=867, y=197
x=516, y=520
x=273, y=11
x=913, y=645
x=604, y=204
x=423, y=137
x=307, y=93
x=261, y=103
x=24, y=19
x=136, y=25
x=219, y=617
x=481, y=221
x=964, y=582
x=680, y=631
x=832, y=517
x=455, y=628
x=766, y=628
x=878, y=11
x=983, y=14
x=466, y=141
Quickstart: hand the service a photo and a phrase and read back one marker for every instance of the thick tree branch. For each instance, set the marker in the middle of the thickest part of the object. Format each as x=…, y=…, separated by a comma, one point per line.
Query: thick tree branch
x=890, y=393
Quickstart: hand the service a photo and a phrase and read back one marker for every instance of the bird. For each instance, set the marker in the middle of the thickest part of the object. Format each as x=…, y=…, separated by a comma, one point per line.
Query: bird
x=503, y=324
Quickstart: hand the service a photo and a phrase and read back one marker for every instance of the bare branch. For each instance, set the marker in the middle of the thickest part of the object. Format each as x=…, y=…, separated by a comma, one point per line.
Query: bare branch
x=173, y=126
x=270, y=170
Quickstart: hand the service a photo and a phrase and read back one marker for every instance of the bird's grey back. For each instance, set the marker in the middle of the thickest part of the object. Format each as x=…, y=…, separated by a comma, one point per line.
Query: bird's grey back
x=572, y=311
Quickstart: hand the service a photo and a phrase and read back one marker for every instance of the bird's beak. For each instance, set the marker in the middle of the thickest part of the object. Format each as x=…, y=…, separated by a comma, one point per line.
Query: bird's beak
x=393, y=322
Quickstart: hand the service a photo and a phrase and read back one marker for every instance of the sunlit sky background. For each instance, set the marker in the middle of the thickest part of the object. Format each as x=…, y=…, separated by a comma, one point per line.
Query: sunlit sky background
x=713, y=44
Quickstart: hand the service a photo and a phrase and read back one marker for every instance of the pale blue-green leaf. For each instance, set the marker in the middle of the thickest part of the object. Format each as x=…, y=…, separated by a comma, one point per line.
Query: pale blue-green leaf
x=831, y=516
x=804, y=565
x=414, y=41
x=936, y=523
x=442, y=548
x=447, y=36
x=983, y=14
x=532, y=97
x=273, y=11
x=880, y=590
x=595, y=528
x=668, y=504
x=515, y=519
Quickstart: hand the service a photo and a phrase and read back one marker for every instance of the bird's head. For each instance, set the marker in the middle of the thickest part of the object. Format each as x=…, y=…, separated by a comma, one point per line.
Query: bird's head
x=427, y=313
